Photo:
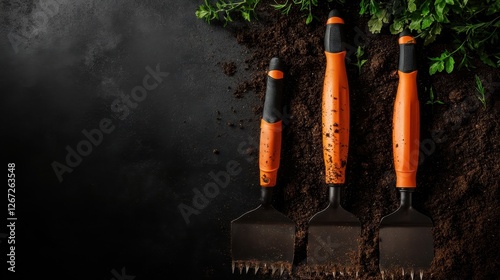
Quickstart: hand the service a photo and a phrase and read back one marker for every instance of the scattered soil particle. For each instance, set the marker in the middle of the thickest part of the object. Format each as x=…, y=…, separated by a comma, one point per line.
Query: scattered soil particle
x=229, y=68
x=458, y=176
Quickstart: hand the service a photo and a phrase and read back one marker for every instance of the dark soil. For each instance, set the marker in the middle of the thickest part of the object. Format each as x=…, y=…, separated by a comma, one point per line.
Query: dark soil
x=458, y=178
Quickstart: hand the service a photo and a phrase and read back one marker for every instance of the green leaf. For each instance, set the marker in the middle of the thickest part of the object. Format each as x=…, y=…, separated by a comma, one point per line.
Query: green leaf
x=434, y=68
x=304, y=6
x=463, y=62
x=444, y=55
x=450, y=2
x=427, y=21
x=415, y=25
x=429, y=38
x=412, y=6
x=425, y=8
x=450, y=63
x=201, y=13
x=280, y=6
x=228, y=18
x=359, y=51
x=309, y=18
x=374, y=8
x=384, y=15
x=396, y=27
x=363, y=7
x=286, y=9
x=440, y=66
x=437, y=29
x=245, y=15
x=375, y=25
x=486, y=59
x=493, y=9
x=479, y=84
x=440, y=10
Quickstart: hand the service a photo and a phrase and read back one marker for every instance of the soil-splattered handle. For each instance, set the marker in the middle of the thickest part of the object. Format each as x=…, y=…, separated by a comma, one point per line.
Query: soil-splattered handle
x=406, y=118
x=335, y=103
x=271, y=125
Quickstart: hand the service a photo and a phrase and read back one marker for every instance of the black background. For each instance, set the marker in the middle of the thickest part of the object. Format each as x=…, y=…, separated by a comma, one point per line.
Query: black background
x=117, y=212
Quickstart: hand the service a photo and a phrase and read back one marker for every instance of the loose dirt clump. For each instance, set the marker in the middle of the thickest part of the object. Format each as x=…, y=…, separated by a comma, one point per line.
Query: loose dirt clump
x=229, y=68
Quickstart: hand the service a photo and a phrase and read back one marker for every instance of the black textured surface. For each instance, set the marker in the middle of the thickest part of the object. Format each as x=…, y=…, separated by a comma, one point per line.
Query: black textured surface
x=407, y=55
x=117, y=213
x=273, y=104
x=334, y=35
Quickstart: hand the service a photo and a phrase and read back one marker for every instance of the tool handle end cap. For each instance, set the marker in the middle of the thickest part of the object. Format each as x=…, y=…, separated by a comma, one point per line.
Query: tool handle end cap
x=405, y=32
x=276, y=64
x=334, y=13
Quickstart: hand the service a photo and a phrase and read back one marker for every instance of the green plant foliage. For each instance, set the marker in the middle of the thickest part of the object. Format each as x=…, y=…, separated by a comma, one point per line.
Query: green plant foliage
x=359, y=58
x=432, y=100
x=223, y=9
x=480, y=89
x=472, y=25
x=443, y=62
x=304, y=6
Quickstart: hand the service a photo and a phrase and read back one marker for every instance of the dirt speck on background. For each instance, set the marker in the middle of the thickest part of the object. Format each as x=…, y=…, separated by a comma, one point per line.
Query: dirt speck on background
x=459, y=172
x=229, y=68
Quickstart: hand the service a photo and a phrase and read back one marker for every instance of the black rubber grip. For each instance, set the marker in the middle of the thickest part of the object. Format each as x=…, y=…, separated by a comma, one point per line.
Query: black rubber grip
x=407, y=55
x=334, y=35
x=274, y=94
x=266, y=196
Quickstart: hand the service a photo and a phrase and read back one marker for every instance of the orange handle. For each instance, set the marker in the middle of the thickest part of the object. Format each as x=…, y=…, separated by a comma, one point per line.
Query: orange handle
x=271, y=125
x=335, y=117
x=406, y=121
x=269, y=152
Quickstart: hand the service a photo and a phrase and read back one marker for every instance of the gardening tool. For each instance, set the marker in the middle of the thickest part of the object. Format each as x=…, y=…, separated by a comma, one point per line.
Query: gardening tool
x=334, y=232
x=264, y=238
x=405, y=239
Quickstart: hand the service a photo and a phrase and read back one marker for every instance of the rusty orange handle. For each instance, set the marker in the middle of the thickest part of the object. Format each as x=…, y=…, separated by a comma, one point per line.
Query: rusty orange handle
x=271, y=125
x=335, y=104
x=406, y=118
